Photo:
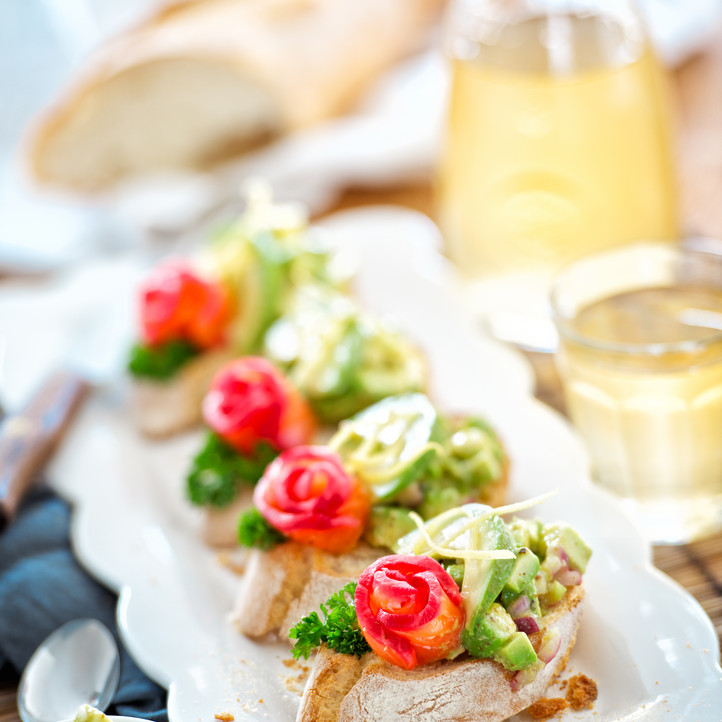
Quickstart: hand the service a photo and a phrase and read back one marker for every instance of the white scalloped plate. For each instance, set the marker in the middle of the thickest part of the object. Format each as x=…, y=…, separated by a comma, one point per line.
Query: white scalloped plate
x=647, y=643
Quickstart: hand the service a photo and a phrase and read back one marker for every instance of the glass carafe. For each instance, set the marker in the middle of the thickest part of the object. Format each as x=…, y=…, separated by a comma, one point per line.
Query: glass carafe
x=557, y=142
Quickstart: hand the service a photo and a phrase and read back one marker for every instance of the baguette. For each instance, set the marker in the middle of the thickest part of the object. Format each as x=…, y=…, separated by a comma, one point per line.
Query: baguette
x=346, y=689
x=203, y=80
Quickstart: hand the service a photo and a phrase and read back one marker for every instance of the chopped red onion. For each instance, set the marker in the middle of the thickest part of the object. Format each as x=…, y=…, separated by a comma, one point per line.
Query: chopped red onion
x=569, y=577
x=519, y=607
x=553, y=563
x=551, y=642
x=524, y=677
x=528, y=625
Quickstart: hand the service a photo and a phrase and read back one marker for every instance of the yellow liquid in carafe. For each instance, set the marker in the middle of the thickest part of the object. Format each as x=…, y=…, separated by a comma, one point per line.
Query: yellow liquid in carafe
x=557, y=145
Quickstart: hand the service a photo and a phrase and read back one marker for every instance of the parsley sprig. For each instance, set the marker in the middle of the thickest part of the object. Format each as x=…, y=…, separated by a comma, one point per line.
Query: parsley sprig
x=162, y=362
x=218, y=470
x=339, y=629
x=255, y=531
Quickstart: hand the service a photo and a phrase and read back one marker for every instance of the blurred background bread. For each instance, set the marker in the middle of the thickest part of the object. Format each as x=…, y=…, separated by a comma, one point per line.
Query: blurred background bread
x=204, y=80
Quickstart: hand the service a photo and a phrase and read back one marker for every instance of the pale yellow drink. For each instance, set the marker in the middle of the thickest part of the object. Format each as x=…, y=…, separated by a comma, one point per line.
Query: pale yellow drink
x=557, y=144
x=643, y=381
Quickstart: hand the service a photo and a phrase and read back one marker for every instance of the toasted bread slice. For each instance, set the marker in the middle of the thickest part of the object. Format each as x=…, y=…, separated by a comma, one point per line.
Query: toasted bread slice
x=285, y=584
x=220, y=526
x=346, y=689
x=163, y=408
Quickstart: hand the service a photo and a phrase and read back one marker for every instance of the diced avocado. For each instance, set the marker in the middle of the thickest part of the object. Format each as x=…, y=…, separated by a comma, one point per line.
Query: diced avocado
x=488, y=632
x=509, y=597
x=391, y=364
x=527, y=532
x=517, y=653
x=86, y=713
x=554, y=593
x=456, y=572
x=522, y=575
x=474, y=454
x=386, y=525
x=485, y=578
x=438, y=498
x=564, y=537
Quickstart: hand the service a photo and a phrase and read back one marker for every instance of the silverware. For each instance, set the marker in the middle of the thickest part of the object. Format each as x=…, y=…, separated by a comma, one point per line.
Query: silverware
x=77, y=664
x=29, y=438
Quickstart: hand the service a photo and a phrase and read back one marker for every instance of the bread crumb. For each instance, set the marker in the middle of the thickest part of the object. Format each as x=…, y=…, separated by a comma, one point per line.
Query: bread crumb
x=224, y=716
x=546, y=708
x=581, y=692
x=231, y=561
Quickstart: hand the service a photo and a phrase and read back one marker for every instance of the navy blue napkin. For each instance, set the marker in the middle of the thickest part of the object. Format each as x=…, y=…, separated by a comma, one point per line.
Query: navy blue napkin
x=42, y=586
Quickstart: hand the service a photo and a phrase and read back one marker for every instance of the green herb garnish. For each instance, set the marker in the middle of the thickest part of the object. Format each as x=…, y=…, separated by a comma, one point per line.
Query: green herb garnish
x=218, y=471
x=255, y=531
x=339, y=628
x=160, y=362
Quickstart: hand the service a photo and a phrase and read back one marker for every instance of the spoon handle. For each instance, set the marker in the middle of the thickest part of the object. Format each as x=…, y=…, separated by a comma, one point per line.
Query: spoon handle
x=28, y=439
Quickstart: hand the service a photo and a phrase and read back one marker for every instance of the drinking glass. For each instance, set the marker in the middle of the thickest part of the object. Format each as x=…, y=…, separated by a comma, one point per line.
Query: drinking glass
x=557, y=143
x=641, y=362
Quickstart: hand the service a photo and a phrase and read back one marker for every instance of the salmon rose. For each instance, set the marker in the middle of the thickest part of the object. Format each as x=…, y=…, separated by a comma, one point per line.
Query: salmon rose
x=250, y=402
x=176, y=303
x=307, y=495
x=409, y=610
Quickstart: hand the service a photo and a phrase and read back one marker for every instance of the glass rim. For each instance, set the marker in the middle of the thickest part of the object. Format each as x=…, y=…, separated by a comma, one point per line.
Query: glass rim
x=563, y=321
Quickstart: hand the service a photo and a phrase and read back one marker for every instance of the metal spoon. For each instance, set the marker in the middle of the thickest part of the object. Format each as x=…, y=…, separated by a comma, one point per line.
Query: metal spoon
x=77, y=664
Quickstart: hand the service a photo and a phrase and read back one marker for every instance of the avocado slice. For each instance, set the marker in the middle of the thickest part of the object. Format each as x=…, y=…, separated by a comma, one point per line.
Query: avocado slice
x=485, y=578
x=331, y=369
x=252, y=268
x=390, y=444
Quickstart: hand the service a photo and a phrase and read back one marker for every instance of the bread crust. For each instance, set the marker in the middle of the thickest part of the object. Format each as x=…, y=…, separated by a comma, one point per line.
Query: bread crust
x=290, y=581
x=163, y=408
x=464, y=690
x=220, y=525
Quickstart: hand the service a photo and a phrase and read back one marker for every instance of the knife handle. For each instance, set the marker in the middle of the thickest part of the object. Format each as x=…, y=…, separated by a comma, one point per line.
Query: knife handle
x=29, y=438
